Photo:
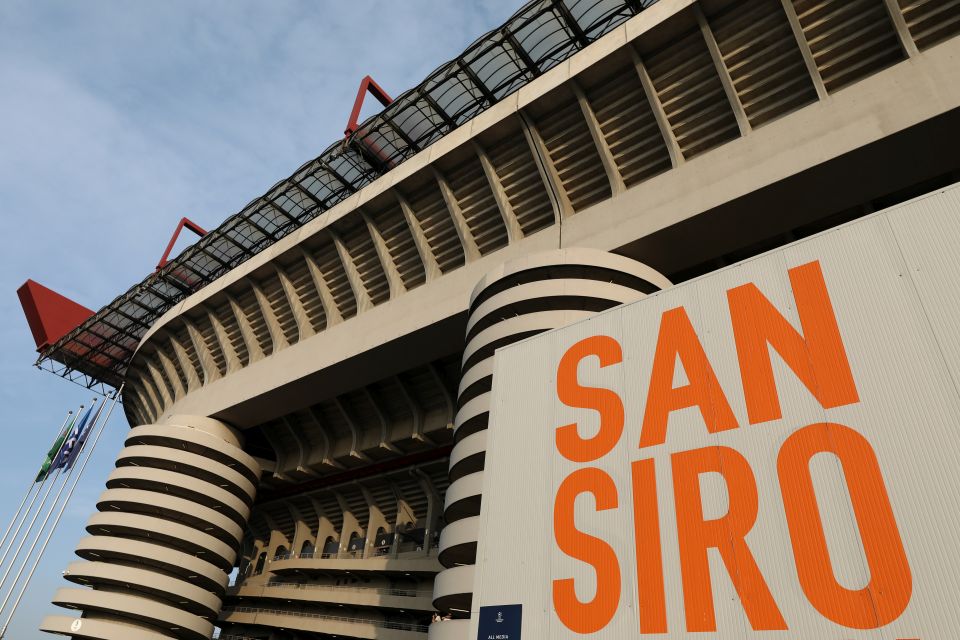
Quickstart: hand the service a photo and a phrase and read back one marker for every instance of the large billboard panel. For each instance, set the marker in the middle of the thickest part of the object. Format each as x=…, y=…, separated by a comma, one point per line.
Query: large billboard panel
x=767, y=451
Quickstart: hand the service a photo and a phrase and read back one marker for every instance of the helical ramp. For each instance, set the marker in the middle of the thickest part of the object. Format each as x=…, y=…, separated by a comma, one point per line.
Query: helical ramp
x=165, y=536
x=520, y=299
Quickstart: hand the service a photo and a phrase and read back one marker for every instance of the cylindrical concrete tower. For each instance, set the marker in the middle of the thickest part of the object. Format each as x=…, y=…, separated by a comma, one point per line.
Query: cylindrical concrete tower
x=165, y=538
x=522, y=298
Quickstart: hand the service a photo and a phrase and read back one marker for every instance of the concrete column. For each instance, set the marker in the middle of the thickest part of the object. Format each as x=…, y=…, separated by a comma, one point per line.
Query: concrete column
x=165, y=537
x=554, y=289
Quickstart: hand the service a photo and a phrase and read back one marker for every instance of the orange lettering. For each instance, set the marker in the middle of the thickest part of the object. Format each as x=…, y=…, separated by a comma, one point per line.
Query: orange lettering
x=817, y=357
x=695, y=535
x=887, y=594
x=605, y=402
x=678, y=339
x=586, y=617
x=646, y=530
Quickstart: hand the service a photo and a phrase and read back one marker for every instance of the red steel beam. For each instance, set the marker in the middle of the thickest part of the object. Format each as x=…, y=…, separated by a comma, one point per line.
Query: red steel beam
x=367, y=84
x=184, y=222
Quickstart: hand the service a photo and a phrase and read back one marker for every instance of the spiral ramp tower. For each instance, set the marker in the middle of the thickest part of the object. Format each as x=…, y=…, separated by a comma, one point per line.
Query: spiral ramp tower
x=520, y=299
x=165, y=537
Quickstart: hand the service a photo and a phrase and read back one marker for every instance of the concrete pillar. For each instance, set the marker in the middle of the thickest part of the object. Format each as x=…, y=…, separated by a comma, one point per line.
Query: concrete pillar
x=165, y=537
x=522, y=297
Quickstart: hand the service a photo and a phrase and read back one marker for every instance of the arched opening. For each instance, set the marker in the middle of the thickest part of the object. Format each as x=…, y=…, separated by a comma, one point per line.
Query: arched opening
x=282, y=553
x=307, y=549
x=356, y=544
x=260, y=562
x=331, y=547
x=382, y=542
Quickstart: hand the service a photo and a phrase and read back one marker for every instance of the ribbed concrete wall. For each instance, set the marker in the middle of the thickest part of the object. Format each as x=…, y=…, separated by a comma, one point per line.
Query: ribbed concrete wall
x=627, y=115
x=521, y=298
x=165, y=536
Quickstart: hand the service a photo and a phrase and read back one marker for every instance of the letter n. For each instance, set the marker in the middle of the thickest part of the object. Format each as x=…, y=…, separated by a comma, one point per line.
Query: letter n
x=816, y=356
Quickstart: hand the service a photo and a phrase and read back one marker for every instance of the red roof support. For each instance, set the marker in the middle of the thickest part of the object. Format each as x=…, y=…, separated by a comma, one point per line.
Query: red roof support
x=367, y=84
x=49, y=314
x=184, y=222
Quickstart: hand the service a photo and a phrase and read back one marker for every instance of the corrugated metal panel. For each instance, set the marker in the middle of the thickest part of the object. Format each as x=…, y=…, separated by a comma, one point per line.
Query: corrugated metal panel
x=931, y=259
x=893, y=283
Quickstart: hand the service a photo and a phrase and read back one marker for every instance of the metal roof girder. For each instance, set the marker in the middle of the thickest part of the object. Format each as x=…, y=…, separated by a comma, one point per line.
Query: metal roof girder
x=571, y=22
x=436, y=107
x=268, y=202
x=475, y=79
x=307, y=193
x=400, y=132
x=520, y=51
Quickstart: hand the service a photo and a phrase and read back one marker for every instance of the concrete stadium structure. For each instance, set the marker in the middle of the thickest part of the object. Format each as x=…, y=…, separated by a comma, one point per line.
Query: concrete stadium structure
x=313, y=419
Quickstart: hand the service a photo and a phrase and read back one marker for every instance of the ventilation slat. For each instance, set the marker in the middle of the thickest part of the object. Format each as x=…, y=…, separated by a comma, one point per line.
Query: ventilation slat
x=282, y=310
x=629, y=126
x=849, y=39
x=232, y=328
x=478, y=206
x=306, y=292
x=167, y=349
x=762, y=57
x=182, y=336
x=431, y=211
x=931, y=21
x=574, y=155
x=330, y=266
x=359, y=244
x=251, y=309
x=522, y=184
x=692, y=96
x=399, y=240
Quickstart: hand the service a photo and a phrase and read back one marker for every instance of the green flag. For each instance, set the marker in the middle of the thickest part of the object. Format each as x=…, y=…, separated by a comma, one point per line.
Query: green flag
x=54, y=450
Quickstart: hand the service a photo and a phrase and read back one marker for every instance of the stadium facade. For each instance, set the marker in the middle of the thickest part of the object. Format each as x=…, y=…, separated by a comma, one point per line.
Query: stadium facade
x=309, y=406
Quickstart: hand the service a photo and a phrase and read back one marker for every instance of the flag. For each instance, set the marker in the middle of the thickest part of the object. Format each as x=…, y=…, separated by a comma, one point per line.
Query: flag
x=73, y=438
x=70, y=458
x=54, y=451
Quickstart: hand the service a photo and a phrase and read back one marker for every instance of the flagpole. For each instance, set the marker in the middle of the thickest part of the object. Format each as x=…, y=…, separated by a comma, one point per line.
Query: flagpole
x=16, y=533
x=63, y=507
x=23, y=541
x=16, y=555
x=16, y=516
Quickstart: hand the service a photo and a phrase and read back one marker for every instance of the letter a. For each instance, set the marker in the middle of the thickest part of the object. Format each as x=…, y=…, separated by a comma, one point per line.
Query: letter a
x=678, y=339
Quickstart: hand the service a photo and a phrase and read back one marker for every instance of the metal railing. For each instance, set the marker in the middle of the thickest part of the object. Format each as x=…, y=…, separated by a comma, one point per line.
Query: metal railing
x=378, y=552
x=357, y=554
x=383, y=624
x=389, y=591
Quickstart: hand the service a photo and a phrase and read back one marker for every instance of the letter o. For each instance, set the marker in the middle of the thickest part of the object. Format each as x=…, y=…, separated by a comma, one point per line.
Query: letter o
x=887, y=594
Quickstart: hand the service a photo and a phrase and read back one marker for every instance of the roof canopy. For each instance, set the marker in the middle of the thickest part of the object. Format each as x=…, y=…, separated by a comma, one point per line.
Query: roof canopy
x=542, y=34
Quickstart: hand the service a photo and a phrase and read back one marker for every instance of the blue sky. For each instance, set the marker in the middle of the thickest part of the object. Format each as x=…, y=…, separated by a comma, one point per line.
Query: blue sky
x=117, y=118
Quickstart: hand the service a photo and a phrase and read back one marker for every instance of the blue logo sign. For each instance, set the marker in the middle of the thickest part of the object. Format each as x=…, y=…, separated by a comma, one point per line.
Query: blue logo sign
x=500, y=622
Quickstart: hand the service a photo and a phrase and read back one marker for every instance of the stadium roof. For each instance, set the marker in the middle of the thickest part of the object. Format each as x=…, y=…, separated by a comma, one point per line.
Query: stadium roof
x=541, y=35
